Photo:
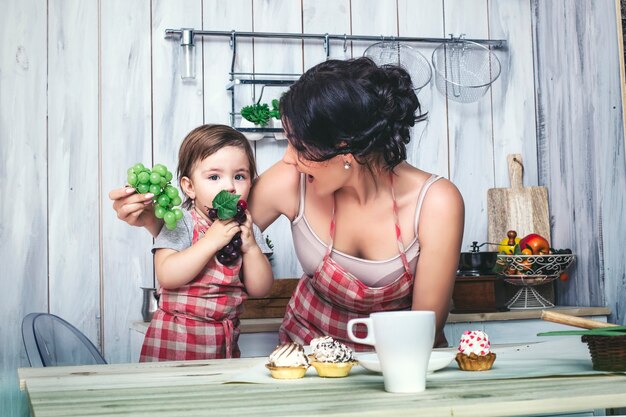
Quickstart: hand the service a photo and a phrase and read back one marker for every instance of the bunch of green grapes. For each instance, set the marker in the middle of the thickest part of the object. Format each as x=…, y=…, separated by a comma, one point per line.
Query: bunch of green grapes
x=158, y=182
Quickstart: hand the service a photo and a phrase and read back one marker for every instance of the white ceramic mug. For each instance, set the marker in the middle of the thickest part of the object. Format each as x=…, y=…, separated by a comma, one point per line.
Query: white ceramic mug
x=403, y=342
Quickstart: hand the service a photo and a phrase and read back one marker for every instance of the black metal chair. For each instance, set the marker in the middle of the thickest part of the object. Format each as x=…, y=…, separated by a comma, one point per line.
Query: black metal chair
x=51, y=341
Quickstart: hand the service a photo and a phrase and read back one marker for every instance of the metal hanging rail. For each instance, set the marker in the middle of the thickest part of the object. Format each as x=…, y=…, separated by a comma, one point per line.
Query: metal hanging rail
x=496, y=43
x=187, y=36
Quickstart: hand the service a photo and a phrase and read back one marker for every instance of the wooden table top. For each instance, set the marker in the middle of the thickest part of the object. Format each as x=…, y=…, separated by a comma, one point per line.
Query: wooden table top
x=218, y=387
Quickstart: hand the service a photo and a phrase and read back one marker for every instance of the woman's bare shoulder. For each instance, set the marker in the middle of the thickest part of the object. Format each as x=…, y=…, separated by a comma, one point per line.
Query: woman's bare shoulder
x=442, y=195
x=275, y=192
x=280, y=177
x=444, y=188
x=409, y=181
x=443, y=214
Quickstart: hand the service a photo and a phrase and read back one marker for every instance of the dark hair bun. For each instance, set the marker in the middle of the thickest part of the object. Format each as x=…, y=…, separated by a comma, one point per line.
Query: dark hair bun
x=352, y=106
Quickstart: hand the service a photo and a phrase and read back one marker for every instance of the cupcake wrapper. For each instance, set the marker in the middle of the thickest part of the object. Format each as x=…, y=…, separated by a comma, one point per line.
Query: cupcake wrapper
x=473, y=362
x=333, y=369
x=287, y=372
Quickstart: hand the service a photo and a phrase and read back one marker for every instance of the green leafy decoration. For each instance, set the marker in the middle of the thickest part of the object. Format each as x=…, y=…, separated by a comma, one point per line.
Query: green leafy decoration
x=275, y=112
x=603, y=331
x=270, y=244
x=259, y=114
x=226, y=204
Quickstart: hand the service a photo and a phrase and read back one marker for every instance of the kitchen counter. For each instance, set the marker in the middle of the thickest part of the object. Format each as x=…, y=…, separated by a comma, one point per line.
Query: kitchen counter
x=259, y=336
x=272, y=324
x=527, y=314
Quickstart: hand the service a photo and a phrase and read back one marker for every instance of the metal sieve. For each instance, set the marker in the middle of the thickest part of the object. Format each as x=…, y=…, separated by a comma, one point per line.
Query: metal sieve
x=464, y=70
x=395, y=53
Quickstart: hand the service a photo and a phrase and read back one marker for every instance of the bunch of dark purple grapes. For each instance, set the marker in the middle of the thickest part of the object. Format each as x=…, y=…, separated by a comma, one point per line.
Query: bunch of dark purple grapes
x=229, y=254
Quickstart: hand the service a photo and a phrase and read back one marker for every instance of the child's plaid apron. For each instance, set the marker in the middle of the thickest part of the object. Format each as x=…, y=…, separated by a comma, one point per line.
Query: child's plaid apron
x=198, y=320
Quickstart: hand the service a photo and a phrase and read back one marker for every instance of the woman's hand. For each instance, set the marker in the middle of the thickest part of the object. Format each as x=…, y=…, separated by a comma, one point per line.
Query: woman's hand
x=135, y=209
x=256, y=270
x=247, y=236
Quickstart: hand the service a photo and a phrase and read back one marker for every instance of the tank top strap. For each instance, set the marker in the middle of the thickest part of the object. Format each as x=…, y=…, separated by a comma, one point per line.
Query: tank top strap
x=420, y=199
x=301, y=194
x=329, y=248
x=398, y=231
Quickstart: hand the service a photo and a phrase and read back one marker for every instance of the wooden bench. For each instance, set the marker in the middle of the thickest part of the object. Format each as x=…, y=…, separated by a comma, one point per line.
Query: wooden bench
x=272, y=306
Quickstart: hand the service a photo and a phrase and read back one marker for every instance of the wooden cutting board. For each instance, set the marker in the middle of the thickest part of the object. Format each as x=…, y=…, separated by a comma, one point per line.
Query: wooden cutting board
x=519, y=208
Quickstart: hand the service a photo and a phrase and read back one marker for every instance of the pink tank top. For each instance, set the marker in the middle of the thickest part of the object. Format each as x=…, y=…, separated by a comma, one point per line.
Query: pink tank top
x=310, y=249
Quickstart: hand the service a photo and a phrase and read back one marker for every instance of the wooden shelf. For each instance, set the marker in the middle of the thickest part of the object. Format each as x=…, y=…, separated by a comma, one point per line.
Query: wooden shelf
x=260, y=129
x=269, y=83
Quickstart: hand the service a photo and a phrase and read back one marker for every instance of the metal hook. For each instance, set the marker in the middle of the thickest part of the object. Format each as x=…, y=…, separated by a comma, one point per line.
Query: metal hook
x=261, y=94
x=233, y=46
x=345, y=42
x=456, y=38
x=327, y=45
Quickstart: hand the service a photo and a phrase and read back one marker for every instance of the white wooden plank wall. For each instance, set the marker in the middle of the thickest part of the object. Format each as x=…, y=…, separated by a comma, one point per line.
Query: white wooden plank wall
x=372, y=17
x=325, y=16
x=88, y=88
x=177, y=106
x=469, y=127
x=514, y=128
x=218, y=15
x=23, y=169
x=126, y=97
x=580, y=145
x=429, y=147
x=73, y=172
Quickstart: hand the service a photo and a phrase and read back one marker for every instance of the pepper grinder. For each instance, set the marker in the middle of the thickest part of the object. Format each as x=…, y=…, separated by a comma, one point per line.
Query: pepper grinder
x=150, y=303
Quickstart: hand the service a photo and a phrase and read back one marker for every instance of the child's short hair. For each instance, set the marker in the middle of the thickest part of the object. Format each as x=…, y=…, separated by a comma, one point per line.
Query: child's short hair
x=204, y=141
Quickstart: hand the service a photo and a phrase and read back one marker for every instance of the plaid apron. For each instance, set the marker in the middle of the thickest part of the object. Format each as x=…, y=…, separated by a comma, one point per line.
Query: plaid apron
x=198, y=320
x=322, y=304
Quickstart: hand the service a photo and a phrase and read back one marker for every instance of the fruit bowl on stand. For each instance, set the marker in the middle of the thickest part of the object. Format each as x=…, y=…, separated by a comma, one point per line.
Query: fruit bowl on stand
x=528, y=271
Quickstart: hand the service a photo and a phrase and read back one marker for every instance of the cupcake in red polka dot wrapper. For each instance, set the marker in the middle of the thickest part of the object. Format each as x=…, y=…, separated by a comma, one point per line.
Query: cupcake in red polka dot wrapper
x=474, y=352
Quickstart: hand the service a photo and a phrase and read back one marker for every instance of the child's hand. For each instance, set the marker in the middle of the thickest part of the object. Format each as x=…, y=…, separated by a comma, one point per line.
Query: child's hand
x=247, y=236
x=221, y=232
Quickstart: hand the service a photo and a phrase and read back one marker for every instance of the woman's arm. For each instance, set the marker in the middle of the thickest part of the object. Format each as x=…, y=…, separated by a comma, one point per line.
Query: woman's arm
x=174, y=269
x=275, y=192
x=440, y=232
x=135, y=209
x=256, y=269
x=257, y=273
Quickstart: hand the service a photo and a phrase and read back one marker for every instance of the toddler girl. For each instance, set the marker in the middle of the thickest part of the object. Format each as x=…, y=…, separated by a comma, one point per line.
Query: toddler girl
x=200, y=298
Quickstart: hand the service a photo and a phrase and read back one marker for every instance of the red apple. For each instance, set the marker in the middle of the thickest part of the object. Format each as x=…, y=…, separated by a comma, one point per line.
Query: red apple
x=536, y=243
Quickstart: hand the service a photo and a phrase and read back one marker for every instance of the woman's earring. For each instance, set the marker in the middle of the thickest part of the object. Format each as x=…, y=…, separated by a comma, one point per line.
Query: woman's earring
x=347, y=165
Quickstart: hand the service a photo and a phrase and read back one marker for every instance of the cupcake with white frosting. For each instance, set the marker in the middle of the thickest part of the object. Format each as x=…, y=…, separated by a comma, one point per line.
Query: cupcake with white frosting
x=475, y=352
x=331, y=359
x=288, y=361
